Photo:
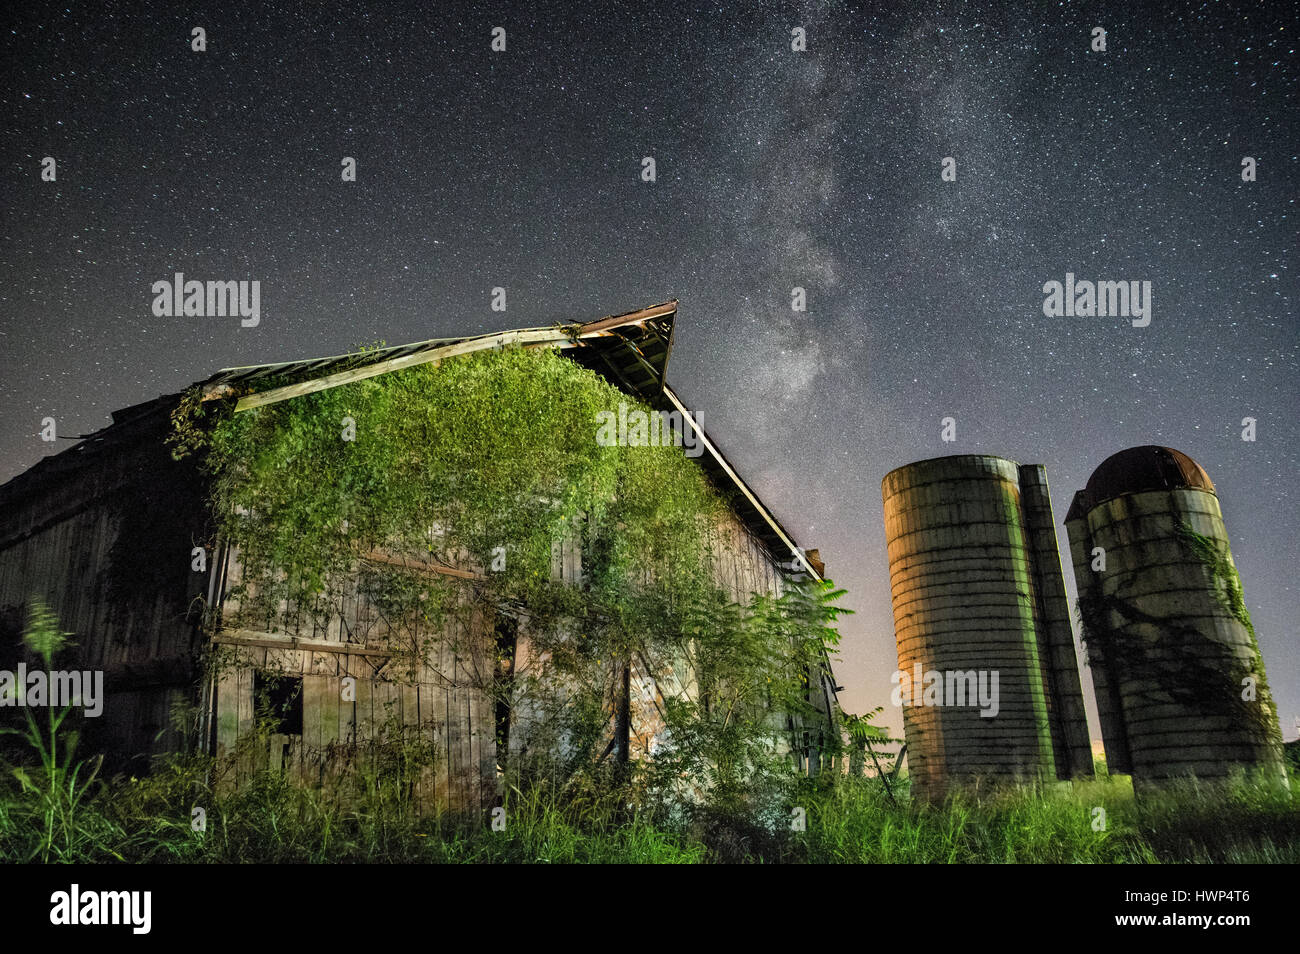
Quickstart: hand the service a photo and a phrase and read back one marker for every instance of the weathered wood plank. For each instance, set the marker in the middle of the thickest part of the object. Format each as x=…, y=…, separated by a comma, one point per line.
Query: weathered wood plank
x=483, y=343
x=313, y=687
x=329, y=702
x=276, y=641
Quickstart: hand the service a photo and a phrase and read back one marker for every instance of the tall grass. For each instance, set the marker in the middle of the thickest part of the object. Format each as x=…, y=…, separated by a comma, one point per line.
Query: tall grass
x=271, y=819
x=53, y=789
x=55, y=808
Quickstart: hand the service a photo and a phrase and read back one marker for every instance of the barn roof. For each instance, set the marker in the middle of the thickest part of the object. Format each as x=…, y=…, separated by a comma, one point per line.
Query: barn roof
x=630, y=350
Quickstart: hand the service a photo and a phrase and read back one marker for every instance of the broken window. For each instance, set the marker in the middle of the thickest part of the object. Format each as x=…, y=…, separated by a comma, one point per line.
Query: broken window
x=279, y=701
x=507, y=636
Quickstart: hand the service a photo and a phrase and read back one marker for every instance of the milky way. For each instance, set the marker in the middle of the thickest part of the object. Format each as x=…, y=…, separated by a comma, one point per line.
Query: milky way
x=775, y=169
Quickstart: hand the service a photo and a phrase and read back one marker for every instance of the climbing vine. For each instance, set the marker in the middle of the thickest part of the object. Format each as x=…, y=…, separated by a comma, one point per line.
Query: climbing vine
x=441, y=496
x=1215, y=556
x=1175, y=661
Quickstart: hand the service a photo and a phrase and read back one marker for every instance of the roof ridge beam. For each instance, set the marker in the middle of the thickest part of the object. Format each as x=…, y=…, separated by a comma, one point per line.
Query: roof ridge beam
x=548, y=337
x=741, y=485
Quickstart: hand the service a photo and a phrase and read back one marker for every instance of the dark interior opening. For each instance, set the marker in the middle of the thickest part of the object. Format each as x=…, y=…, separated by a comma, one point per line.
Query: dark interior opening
x=507, y=637
x=279, y=699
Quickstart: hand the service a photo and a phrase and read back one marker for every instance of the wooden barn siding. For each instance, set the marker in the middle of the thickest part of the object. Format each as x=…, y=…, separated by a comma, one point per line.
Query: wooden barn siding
x=444, y=701
x=456, y=718
x=58, y=537
x=742, y=567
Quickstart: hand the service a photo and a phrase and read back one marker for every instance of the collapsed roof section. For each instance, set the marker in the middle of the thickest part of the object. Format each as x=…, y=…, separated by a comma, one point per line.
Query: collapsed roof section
x=630, y=350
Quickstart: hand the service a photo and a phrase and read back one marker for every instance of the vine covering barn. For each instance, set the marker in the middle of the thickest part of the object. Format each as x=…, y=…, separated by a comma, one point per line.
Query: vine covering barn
x=434, y=549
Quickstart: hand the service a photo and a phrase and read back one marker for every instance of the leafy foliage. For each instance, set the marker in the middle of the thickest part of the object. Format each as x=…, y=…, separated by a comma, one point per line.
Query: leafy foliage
x=52, y=792
x=1169, y=658
x=489, y=463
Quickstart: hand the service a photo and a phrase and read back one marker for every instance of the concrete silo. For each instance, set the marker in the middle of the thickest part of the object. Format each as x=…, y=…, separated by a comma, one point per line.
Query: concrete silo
x=1180, y=684
x=977, y=590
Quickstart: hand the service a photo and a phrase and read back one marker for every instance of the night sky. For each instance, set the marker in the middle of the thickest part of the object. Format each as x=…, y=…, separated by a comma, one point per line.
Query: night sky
x=821, y=169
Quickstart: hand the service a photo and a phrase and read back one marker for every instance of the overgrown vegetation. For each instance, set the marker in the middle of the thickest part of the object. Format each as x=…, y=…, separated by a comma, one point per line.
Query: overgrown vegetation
x=489, y=463
x=1168, y=659
x=1216, y=558
x=52, y=788
x=848, y=820
x=53, y=809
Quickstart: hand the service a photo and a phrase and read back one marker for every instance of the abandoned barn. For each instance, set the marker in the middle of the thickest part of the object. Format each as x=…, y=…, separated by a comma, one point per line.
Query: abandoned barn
x=203, y=592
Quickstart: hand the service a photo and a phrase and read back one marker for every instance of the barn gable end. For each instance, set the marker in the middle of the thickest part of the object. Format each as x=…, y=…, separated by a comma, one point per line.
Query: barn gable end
x=71, y=536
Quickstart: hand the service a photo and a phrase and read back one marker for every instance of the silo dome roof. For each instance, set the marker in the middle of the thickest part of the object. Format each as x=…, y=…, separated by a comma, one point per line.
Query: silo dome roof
x=1145, y=468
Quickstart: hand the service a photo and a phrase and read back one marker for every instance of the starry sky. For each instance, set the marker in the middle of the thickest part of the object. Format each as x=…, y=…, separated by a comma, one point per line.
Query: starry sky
x=821, y=169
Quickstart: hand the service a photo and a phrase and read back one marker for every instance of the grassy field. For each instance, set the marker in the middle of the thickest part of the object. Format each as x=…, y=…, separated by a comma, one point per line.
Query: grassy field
x=56, y=817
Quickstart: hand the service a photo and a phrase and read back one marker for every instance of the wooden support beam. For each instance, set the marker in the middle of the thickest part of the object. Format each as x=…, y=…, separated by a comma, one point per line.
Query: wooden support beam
x=740, y=484
x=248, y=637
x=275, y=395
x=627, y=385
x=631, y=318
x=654, y=373
x=378, y=556
x=528, y=338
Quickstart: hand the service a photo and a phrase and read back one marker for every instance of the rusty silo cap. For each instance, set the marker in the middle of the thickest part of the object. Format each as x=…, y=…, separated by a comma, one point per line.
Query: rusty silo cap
x=1140, y=469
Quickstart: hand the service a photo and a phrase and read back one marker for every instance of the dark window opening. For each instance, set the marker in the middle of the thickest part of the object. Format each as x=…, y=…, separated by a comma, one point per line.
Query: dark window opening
x=279, y=701
x=507, y=637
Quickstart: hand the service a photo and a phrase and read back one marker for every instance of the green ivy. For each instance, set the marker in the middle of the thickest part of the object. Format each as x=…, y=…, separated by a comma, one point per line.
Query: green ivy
x=1178, y=662
x=498, y=450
